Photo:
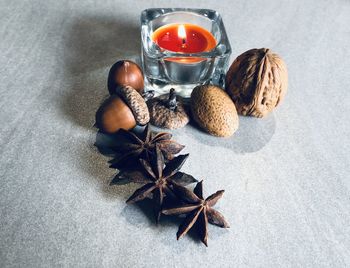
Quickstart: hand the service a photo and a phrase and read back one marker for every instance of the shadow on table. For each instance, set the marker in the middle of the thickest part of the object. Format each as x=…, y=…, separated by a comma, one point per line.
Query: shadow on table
x=252, y=135
x=142, y=214
x=92, y=45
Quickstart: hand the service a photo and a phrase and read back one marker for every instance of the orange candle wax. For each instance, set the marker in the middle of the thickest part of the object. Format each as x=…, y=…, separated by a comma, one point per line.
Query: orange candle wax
x=184, y=38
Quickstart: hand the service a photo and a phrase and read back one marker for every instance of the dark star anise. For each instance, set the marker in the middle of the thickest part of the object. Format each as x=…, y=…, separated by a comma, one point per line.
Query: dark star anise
x=198, y=210
x=142, y=146
x=157, y=177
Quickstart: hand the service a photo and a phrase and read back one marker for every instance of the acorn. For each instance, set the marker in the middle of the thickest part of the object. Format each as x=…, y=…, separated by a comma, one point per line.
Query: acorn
x=123, y=110
x=125, y=73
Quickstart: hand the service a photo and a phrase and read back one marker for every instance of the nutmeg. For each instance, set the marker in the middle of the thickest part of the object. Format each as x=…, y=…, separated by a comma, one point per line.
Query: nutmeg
x=125, y=110
x=125, y=73
x=257, y=82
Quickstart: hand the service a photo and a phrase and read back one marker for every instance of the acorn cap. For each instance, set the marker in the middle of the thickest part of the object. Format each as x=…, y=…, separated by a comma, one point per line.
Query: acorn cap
x=167, y=111
x=135, y=102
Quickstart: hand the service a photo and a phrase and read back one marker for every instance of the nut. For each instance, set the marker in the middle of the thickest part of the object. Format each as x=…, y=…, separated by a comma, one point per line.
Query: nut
x=125, y=110
x=168, y=111
x=257, y=82
x=113, y=115
x=214, y=111
x=125, y=73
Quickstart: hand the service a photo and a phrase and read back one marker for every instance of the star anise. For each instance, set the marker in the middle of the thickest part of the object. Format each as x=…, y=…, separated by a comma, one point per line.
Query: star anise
x=157, y=177
x=133, y=147
x=198, y=210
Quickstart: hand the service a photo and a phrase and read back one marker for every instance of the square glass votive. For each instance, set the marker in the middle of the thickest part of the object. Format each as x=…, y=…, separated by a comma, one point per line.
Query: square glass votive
x=166, y=69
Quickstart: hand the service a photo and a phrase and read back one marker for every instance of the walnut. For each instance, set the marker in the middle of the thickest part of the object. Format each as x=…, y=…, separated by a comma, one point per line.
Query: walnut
x=257, y=82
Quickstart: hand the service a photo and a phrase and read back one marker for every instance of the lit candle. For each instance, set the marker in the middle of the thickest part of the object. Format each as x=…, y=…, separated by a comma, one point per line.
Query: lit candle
x=184, y=38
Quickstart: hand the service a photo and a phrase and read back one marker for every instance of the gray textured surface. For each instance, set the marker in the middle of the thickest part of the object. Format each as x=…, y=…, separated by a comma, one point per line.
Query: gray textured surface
x=286, y=177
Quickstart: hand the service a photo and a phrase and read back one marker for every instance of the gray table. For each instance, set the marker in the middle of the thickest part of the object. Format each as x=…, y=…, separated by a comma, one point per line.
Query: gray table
x=286, y=177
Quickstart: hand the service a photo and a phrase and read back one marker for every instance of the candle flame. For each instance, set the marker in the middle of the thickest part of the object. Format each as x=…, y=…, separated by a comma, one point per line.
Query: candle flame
x=181, y=32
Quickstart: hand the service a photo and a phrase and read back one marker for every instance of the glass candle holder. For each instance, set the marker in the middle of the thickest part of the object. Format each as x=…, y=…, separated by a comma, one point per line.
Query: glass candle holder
x=165, y=69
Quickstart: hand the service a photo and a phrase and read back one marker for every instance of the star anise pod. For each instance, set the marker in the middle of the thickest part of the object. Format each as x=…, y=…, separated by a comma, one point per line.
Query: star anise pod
x=198, y=210
x=158, y=178
x=142, y=146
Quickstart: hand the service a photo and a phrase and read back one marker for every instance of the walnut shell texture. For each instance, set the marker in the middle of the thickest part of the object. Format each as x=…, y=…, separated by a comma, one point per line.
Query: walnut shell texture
x=257, y=82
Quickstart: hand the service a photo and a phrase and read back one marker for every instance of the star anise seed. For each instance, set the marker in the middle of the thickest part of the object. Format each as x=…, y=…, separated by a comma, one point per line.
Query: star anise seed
x=198, y=210
x=142, y=146
x=158, y=178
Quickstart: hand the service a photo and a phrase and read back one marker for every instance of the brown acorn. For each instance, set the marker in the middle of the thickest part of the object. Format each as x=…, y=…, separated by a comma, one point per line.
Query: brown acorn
x=125, y=73
x=123, y=110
